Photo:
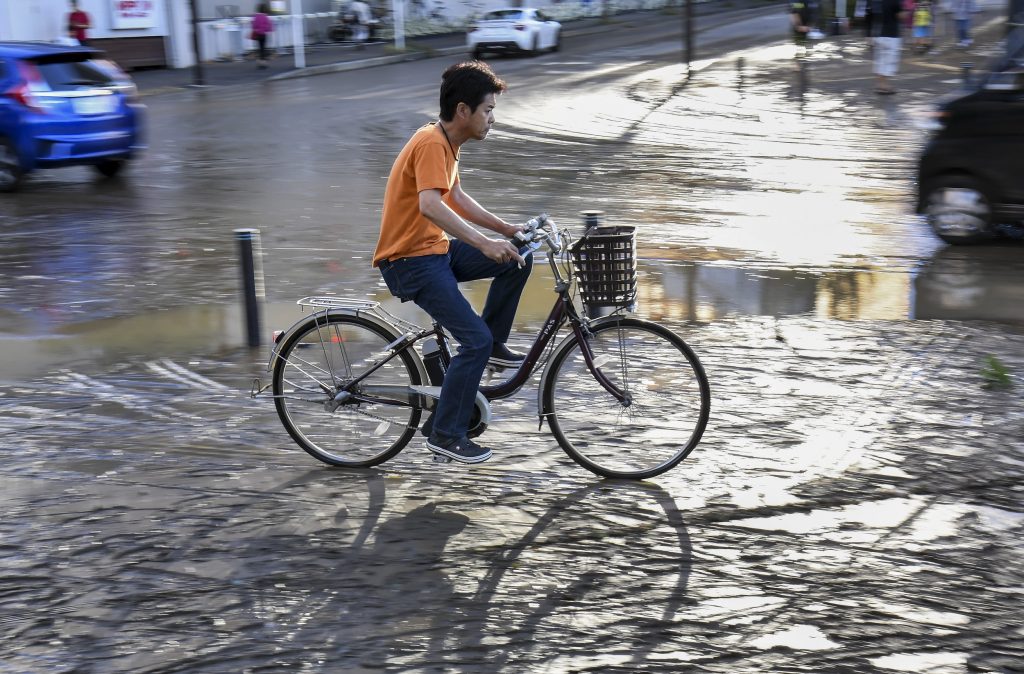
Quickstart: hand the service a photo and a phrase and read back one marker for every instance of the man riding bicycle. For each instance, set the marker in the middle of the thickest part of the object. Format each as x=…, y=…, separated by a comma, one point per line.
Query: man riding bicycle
x=425, y=205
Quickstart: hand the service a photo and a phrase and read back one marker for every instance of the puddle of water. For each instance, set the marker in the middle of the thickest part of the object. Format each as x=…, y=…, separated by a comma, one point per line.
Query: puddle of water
x=797, y=637
x=957, y=285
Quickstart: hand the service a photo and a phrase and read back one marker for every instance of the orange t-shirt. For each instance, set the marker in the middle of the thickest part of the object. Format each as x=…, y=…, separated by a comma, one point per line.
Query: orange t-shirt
x=425, y=163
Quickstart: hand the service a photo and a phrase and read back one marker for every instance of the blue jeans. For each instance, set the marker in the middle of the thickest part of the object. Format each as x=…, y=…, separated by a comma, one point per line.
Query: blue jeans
x=431, y=281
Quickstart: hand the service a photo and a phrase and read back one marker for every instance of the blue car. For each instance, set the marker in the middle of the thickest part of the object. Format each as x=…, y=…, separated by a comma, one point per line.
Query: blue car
x=64, y=106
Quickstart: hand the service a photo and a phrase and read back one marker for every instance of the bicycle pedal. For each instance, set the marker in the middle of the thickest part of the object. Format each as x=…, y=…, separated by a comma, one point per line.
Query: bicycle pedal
x=440, y=458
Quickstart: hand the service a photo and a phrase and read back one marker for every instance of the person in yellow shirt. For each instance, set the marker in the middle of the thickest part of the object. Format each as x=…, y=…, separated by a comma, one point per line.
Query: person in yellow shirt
x=427, y=246
x=922, y=25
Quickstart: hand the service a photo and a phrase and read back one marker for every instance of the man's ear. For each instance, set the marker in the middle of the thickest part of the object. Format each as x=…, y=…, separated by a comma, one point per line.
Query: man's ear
x=462, y=110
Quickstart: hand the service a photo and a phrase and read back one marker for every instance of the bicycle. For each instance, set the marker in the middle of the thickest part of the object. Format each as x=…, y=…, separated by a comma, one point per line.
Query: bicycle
x=623, y=396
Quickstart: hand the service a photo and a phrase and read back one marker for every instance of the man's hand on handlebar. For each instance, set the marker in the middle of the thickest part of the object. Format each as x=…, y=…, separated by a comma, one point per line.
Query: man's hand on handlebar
x=501, y=251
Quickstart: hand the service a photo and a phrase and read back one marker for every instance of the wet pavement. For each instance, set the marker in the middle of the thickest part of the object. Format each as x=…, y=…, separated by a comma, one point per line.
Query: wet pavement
x=854, y=506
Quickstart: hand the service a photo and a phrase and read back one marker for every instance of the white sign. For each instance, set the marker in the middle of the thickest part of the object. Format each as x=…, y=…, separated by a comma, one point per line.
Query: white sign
x=133, y=13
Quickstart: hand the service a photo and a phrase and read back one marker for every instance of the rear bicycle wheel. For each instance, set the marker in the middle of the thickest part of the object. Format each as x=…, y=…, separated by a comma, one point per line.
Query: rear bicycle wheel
x=663, y=418
x=319, y=361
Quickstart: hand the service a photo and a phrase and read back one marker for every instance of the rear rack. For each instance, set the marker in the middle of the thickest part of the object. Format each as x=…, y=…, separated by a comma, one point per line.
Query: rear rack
x=327, y=303
x=338, y=303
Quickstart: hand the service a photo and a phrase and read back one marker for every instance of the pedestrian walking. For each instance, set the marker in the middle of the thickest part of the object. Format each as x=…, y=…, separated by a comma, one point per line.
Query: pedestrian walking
x=78, y=24
x=427, y=246
x=922, y=26
x=361, y=28
x=800, y=22
x=907, y=17
x=262, y=27
x=872, y=10
x=888, y=45
x=962, y=10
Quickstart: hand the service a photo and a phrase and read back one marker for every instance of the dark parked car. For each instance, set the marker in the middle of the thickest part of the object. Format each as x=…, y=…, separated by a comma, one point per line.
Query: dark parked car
x=971, y=174
x=64, y=106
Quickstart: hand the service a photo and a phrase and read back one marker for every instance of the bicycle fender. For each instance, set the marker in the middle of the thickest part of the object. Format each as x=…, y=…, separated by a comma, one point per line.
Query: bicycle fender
x=566, y=344
x=320, y=316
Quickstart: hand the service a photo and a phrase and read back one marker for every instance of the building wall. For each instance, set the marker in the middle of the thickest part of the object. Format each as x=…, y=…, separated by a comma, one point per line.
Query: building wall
x=46, y=20
x=33, y=20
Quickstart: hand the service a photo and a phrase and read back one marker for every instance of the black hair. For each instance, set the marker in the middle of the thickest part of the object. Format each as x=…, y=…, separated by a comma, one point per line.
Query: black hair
x=468, y=82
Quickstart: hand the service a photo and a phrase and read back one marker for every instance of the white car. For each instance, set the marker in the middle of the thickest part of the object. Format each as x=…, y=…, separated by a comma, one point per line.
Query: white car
x=514, y=29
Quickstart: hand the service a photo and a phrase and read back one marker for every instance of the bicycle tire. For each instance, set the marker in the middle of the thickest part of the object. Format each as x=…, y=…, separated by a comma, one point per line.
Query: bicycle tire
x=314, y=363
x=670, y=400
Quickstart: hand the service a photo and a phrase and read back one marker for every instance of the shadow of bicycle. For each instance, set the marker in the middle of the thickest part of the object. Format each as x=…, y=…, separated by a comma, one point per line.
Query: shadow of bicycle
x=590, y=577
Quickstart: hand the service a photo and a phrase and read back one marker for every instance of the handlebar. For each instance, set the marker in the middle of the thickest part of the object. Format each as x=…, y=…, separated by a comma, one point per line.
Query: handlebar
x=538, y=231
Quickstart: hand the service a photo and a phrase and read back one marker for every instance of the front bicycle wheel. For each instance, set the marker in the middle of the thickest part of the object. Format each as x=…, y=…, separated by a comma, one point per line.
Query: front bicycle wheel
x=660, y=422
x=370, y=422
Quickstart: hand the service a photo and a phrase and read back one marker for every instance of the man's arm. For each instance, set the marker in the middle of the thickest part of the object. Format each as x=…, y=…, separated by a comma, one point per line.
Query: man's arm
x=433, y=207
x=467, y=207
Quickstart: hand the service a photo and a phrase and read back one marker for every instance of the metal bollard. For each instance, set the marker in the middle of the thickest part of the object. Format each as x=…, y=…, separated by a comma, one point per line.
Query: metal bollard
x=591, y=218
x=250, y=257
x=965, y=67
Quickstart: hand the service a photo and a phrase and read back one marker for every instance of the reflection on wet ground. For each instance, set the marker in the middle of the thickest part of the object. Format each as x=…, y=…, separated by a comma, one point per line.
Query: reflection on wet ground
x=976, y=283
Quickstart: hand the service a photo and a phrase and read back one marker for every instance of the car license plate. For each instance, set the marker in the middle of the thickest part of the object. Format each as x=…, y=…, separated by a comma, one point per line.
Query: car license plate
x=95, y=105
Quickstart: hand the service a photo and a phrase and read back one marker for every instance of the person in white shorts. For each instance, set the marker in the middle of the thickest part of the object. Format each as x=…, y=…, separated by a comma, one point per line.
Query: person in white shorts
x=888, y=45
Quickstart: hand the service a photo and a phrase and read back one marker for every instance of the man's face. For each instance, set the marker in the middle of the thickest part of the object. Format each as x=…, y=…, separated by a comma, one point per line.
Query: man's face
x=480, y=121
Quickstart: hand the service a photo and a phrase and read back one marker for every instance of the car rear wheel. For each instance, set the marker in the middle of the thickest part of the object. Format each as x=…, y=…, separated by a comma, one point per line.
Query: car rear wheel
x=959, y=210
x=535, y=47
x=558, y=41
x=10, y=167
x=110, y=168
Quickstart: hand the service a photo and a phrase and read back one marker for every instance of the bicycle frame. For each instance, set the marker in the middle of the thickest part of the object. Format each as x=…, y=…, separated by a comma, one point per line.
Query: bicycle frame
x=562, y=310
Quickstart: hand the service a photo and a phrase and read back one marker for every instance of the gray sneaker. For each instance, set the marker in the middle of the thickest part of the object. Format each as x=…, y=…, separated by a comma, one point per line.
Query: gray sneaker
x=462, y=449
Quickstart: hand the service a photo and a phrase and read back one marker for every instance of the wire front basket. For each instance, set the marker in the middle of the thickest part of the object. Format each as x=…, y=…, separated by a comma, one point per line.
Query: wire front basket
x=604, y=260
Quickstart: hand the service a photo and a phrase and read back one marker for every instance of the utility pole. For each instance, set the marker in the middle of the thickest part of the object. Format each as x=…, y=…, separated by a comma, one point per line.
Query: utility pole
x=299, y=34
x=688, y=34
x=198, y=73
x=398, y=20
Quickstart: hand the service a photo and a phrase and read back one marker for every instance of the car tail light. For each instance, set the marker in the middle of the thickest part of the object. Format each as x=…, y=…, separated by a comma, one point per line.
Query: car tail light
x=520, y=26
x=21, y=93
x=24, y=90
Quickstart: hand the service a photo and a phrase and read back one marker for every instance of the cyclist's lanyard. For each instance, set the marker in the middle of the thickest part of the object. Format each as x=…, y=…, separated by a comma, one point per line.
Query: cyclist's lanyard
x=450, y=146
